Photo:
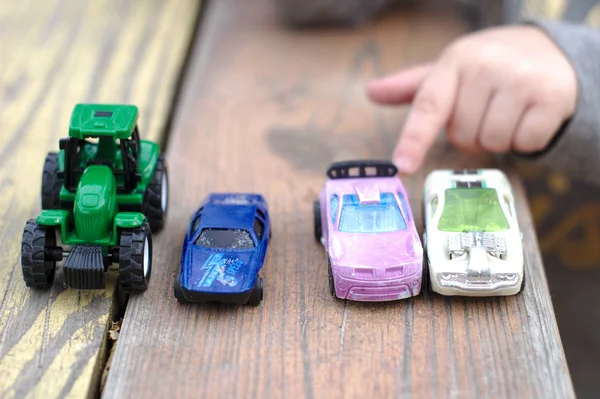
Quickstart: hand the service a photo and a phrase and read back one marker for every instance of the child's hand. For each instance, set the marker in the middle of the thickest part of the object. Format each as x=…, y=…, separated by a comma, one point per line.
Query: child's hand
x=497, y=90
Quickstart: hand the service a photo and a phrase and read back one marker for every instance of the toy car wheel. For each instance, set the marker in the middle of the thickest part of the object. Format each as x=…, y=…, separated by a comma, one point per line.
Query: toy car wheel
x=51, y=183
x=523, y=282
x=330, y=278
x=256, y=295
x=135, y=258
x=178, y=291
x=38, y=270
x=317, y=221
x=425, y=282
x=156, y=197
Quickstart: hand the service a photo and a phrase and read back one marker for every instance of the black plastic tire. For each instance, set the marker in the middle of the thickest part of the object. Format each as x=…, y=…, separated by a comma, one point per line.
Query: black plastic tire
x=178, y=291
x=256, y=296
x=37, y=271
x=156, y=197
x=317, y=221
x=51, y=184
x=425, y=282
x=330, y=278
x=135, y=258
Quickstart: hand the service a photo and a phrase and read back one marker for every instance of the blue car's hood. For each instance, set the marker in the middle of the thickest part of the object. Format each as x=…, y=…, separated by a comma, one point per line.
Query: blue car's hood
x=219, y=272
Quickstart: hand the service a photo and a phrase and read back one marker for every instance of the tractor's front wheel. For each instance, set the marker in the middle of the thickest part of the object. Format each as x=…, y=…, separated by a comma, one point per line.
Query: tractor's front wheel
x=36, y=264
x=51, y=184
x=156, y=197
x=135, y=258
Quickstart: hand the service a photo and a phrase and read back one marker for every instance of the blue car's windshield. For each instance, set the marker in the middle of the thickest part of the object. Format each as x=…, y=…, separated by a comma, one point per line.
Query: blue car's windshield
x=225, y=239
x=371, y=218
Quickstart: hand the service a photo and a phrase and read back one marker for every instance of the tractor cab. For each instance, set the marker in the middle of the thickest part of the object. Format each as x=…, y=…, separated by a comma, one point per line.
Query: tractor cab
x=102, y=135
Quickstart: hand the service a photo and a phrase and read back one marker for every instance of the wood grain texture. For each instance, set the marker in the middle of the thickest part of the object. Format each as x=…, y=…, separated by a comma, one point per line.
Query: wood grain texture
x=266, y=109
x=54, y=54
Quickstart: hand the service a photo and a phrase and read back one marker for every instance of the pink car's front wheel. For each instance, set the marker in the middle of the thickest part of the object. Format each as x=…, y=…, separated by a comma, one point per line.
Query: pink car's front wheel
x=331, y=282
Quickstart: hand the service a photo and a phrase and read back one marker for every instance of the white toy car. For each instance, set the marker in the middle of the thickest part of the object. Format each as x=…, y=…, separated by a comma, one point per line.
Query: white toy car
x=472, y=238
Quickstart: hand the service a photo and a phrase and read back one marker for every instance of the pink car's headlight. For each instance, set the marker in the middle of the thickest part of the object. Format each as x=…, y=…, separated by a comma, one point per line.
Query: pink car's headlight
x=347, y=272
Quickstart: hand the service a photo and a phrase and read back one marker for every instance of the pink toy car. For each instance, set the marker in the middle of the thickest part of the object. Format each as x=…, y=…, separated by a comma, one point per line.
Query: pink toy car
x=364, y=221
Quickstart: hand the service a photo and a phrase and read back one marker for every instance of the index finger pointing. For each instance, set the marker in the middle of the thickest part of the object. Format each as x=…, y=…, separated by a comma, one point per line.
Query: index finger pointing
x=429, y=113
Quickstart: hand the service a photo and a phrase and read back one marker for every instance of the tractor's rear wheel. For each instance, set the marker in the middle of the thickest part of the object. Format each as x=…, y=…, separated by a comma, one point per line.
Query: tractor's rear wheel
x=135, y=258
x=51, y=184
x=156, y=197
x=38, y=270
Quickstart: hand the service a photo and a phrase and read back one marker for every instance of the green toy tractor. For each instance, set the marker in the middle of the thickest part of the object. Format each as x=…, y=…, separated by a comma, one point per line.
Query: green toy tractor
x=104, y=194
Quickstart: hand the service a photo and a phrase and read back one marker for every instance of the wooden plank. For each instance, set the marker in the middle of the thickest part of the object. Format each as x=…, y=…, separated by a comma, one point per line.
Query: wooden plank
x=266, y=109
x=54, y=54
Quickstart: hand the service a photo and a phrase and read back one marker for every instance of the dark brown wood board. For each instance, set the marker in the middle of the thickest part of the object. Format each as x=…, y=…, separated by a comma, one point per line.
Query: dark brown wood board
x=266, y=109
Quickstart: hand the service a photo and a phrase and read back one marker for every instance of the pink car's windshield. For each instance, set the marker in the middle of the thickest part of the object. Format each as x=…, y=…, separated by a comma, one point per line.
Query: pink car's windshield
x=370, y=218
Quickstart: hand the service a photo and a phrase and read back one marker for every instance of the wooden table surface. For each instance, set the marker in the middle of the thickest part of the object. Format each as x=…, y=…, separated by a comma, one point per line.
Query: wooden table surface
x=262, y=109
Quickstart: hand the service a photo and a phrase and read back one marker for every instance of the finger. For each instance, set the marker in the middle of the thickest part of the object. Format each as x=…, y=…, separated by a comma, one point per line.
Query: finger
x=536, y=129
x=500, y=122
x=430, y=111
x=473, y=98
x=399, y=88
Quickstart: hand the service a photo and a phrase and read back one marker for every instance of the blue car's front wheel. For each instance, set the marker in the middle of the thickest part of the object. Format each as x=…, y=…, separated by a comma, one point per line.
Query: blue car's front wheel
x=178, y=291
x=256, y=295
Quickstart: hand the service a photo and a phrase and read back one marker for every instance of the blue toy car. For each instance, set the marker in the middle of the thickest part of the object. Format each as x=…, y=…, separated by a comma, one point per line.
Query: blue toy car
x=224, y=250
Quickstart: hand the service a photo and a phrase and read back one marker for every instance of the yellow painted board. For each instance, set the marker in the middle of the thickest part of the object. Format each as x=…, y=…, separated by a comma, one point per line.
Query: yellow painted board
x=55, y=54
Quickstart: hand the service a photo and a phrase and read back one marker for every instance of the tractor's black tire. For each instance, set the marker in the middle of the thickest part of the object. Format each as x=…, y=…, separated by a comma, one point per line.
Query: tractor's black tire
x=156, y=197
x=256, y=296
x=178, y=291
x=38, y=272
x=330, y=278
x=51, y=184
x=135, y=258
x=317, y=221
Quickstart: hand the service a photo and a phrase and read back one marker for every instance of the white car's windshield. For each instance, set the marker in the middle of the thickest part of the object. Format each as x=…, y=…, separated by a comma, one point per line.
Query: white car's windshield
x=472, y=209
x=370, y=218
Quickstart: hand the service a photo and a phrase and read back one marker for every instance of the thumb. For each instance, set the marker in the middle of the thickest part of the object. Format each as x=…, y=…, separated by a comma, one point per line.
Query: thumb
x=398, y=88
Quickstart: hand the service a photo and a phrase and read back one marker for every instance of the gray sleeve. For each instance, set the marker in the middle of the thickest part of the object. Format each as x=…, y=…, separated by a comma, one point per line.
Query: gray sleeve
x=575, y=150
